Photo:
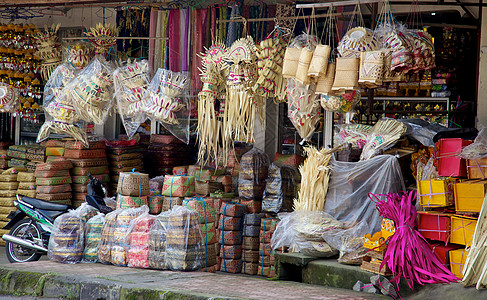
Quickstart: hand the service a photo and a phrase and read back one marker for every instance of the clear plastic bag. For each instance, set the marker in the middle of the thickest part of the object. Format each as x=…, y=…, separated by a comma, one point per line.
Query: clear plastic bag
x=167, y=101
x=121, y=234
x=281, y=188
x=347, y=241
x=94, y=228
x=478, y=149
x=429, y=171
x=107, y=238
x=9, y=98
x=61, y=115
x=67, y=239
x=131, y=82
x=92, y=91
x=254, y=169
x=138, y=253
x=354, y=134
x=302, y=231
x=184, y=249
x=348, y=200
x=303, y=107
x=423, y=131
x=157, y=241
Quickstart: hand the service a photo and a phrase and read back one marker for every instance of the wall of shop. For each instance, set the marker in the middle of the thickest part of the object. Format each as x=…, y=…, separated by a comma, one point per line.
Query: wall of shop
x=482, y=87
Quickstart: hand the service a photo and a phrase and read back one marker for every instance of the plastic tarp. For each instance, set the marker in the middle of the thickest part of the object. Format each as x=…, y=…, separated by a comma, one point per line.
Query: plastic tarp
x=348, y=200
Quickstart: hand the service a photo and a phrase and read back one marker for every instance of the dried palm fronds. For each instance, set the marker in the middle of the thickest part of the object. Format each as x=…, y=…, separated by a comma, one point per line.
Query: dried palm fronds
x=48, y=50
x=315, y=175
x=79, y=54
x=102, y=45
x=384, y=133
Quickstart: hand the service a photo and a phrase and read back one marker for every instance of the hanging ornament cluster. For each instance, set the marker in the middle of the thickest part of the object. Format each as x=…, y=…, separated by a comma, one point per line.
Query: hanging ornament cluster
x=103, y=37
x=78, y=54
x=209, y=127
x=48, y=50
x=270, y=83
x=131, y=82
x=20, y=70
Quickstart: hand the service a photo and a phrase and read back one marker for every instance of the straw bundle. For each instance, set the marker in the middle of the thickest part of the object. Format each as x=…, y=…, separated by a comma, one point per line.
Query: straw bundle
x=315, y=175
x=384, y=133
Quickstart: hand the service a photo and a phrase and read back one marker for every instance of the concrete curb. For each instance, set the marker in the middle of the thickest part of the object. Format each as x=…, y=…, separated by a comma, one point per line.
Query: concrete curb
x=36, y=284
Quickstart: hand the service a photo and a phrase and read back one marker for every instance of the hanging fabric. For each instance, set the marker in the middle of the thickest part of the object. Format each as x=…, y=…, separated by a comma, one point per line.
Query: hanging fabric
x=158, y=43
x=201, y=16
x=152, y=43
x=174, y=38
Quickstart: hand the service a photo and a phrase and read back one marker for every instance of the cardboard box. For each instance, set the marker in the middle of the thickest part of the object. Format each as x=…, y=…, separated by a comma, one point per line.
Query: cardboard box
x=462, y=230
x=449, y=162
x=457, y=261
x=477, y=168
x=469, y=195
x=436, y=192
x=442, y=251
x=434, y=226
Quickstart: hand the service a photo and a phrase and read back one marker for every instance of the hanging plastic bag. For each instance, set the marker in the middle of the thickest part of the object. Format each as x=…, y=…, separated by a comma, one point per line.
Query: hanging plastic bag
x=92, y=91
x=478, y=149
x=341, y=103
x=303, y=108
x=61, y=115
x=184, y=251
x=167, y=101
x=131, y=82
x=94, y=228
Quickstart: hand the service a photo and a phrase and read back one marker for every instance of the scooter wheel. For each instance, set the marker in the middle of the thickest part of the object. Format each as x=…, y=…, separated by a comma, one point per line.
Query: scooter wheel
x=23, y=230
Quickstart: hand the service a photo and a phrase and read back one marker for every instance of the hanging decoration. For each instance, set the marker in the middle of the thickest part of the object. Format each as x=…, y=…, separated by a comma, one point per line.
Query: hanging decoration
x=9, y=98
x=48, y=50
x=61, y=115
x=303, y=108
x=210, y=138
x=92, y=91
x=103, y=35
x=131, y=82
x=78, y=54
x=242, y=107
x=167, y=102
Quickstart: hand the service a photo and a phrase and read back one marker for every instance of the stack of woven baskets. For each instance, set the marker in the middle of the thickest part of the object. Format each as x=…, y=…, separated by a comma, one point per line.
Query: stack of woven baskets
x=164, y=153
x=35, y=155
x=266, y=254
x=86, y=160
x=92, y=238
x=229, y=235
x=54, y=181
x=133, y=190
x=123, y=159
x=27, y=184
x=8, y=190
x=18, y=154
x=4, y=158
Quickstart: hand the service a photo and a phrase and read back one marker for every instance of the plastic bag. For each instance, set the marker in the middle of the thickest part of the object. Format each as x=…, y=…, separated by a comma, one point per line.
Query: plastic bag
x=67, y=239
x=281, y=188
x=303, y=108
x=341, y=103
x=138, y=253
x=157, y=241
x=383, y=136
x=478, y=149
x=94, y=228
x=423, y=131
x=184, y=250
x=107, y=238
x=302, y=231
x=61, y=115
x=347, y=241
x=254, y=168
x=9, y=98
x=347, y=198
x=121, y=234
x=354, y=134
x=167, y=101
x=86, y=212
x=131, y=82
x=92, y=91
x=429, y=171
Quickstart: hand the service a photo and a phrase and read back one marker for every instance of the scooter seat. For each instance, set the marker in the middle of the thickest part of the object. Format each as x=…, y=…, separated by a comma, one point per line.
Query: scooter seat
x=45, y=205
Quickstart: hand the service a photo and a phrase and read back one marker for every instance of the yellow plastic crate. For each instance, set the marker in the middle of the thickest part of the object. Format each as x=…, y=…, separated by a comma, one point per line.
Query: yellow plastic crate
x=462, y=230
x=457, y=261
x=436, y=192
x=469, y=195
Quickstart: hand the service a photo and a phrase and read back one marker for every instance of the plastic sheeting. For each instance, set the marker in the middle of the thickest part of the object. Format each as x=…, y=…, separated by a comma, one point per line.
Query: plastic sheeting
x=478, y=149
x=423, y=131
x=348, y=200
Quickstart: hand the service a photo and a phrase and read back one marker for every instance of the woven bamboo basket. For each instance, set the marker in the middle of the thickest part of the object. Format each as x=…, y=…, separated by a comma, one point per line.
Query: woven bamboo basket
x=303, y=66
x=319, y=62
x=346, y=74
x=325, y=82
x=371, y=68
x=291, y=61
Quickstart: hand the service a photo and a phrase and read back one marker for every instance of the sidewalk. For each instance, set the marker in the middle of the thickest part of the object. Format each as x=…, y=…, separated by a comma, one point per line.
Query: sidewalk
x=96, y=281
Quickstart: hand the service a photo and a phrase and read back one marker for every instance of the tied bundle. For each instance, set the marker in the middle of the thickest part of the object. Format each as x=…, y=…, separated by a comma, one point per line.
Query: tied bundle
x=384, y=133
x=408, y=254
